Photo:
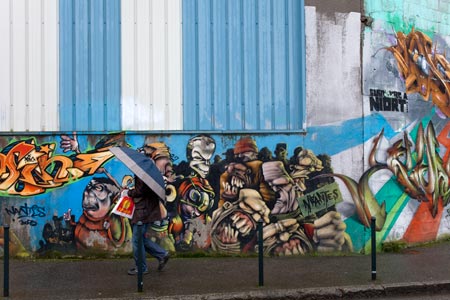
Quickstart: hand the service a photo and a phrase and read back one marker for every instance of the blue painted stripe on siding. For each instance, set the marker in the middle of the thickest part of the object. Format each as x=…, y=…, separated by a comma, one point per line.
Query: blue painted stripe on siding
x=82, y=70
x=190, y=65
x=265, y=64
x=219, y=45
x=97, y=64
x=280, y=51
x=66, y=66
x=296, y=88
x=243, y=64
x=288, y=50
x=250, y=53
x=226, y=108
x=235, y=110
x=89, y=65
x=113, y=71
x=205, y=66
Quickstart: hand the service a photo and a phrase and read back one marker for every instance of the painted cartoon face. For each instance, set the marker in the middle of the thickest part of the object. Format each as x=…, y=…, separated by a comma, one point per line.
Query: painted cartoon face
x=202, y=149
x=239, y=178
x=98, y=197
x=160, y=154
x=234, y=224
x=245, y=150
x=196, y=203
x=246, y=156
x=165, y=166
x=282, y=187
x=307, y=163
x=197, y=197
x=280, y=182
x=285, y=197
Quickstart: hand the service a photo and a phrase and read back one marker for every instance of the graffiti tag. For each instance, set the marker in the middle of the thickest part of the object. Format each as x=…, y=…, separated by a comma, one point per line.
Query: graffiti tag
x=320, y=199
x=26, y=214
x=381, y=100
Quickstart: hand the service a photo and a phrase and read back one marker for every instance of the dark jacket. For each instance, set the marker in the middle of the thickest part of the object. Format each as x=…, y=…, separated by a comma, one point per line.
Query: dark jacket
x=146, y=203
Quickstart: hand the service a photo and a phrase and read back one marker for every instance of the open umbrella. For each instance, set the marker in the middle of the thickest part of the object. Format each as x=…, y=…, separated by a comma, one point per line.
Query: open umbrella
x=143, y=167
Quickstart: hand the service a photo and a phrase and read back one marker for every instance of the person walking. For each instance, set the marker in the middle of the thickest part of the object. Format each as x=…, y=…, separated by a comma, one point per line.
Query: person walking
x=147, y=210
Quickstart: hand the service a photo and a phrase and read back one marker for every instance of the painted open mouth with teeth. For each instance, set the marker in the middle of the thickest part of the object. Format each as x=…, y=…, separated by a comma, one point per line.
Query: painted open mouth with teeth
x=291, y=247
x=232, y=187
x=238, y=224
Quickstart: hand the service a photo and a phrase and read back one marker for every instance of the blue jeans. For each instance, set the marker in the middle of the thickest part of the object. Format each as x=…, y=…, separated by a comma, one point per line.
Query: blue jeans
x=148, y=246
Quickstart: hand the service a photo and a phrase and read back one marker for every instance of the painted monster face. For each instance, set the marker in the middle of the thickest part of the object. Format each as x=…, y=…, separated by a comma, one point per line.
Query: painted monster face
x=246, y=156
x=202, y=149
x=282, y=184
x=165, y=166
x=98, y=197
x=197, y=197
x=239, y=177
x=306, y=163
x=234, y=224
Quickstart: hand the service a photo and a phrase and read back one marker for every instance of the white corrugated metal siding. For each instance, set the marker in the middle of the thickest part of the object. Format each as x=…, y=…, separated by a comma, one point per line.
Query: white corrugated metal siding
x=29, y=65
x=151, y=65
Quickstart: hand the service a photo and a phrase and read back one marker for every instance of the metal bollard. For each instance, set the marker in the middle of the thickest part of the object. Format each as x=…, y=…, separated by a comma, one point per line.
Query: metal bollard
x=260, y=253
x=140, y=260
x=374, y=248
x=6, y=261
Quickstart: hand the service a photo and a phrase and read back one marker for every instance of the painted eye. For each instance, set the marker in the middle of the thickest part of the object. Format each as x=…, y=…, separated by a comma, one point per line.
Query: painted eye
x=194, y=195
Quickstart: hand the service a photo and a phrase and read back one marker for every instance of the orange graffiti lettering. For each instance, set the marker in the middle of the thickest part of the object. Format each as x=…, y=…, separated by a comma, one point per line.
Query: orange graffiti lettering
x=28, y=169
x=425, y=71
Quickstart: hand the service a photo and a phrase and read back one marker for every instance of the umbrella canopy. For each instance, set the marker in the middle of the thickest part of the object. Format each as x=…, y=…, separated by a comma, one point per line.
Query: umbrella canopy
x=143, y=167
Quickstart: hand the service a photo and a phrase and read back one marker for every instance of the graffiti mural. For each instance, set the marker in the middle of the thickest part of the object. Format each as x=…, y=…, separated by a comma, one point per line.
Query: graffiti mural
x=253, y=191
x=214, y=202
x=409, y=89
x=218, y=193
x=425, y=71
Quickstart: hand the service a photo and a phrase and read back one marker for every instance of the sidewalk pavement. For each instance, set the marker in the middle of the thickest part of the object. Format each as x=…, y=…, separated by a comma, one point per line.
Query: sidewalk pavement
x=414, y=270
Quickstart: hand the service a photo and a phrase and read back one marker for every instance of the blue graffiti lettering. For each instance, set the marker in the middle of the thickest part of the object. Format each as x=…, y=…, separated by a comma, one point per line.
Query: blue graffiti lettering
x=26, y=214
